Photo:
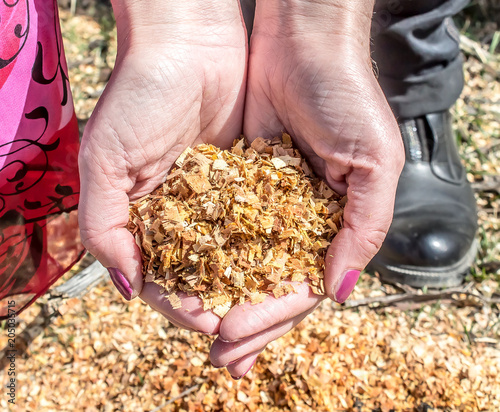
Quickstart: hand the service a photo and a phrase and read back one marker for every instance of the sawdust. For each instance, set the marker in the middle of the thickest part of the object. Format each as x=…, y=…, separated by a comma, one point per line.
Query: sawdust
x=232, y=226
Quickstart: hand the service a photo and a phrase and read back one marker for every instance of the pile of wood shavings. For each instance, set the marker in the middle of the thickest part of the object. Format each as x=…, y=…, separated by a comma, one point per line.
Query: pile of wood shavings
x=231, y=226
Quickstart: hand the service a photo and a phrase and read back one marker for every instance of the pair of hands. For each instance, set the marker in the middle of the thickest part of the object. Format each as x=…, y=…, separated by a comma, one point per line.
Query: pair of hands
x=184, y=76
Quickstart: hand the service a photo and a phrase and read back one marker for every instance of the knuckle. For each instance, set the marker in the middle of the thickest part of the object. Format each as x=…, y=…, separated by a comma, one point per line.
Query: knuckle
x=91, y=242
x=373, y=242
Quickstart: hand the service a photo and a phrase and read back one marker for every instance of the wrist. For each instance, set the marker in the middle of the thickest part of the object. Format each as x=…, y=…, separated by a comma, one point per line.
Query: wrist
x=321, y=21
x=140, y=23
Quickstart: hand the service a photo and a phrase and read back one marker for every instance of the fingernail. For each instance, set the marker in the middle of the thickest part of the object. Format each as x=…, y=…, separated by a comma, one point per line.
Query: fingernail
x=346, y=285
x=248, y=370
x=206, y=333
x=230, y=341
x=226, y=365
x=121, y=283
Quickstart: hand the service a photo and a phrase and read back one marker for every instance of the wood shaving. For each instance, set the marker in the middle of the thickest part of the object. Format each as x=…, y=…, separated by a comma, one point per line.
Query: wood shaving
x=233, y=226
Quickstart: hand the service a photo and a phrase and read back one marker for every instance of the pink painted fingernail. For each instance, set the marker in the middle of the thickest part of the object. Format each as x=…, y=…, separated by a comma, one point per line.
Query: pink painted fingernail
x=248, y=370
x=346, y=285
x=121, y=283
x=232, y=362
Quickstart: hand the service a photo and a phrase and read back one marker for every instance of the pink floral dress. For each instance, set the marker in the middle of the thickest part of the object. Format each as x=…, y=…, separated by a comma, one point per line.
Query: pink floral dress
x=39, y=187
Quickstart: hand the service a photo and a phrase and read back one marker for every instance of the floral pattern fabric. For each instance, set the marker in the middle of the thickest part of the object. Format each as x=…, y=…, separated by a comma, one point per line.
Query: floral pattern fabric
x=39, y=183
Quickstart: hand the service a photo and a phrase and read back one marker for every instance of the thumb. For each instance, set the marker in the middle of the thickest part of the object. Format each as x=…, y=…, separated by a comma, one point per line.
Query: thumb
x=367, y=217
x=103, y=216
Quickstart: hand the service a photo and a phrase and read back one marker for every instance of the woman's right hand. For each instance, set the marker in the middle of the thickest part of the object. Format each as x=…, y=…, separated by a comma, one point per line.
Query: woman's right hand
x=179, y=80
x=310, y=74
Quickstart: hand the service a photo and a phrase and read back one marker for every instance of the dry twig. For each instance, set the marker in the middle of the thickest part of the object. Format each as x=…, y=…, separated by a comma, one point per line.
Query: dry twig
x=460, y=294
x=176, y=398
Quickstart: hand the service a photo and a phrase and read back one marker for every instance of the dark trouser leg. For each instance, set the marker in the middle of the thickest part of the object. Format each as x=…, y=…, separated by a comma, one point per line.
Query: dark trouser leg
x=416, y=48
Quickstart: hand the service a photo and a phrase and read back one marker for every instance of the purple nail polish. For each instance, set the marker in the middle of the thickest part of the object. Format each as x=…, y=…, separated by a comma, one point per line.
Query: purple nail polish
x=121, y=283
x=346, y=285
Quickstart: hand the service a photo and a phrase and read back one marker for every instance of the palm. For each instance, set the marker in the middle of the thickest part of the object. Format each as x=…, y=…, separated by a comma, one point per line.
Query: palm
x=331, y=104
x=328, y=102
x=155, y=107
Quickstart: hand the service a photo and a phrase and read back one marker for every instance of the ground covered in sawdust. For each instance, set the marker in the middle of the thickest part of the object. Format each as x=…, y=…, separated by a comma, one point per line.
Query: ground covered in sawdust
x=103, y=353
x=107, y=354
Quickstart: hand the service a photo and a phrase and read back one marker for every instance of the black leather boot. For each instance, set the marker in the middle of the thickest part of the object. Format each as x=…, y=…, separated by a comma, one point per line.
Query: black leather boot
x=431, y=241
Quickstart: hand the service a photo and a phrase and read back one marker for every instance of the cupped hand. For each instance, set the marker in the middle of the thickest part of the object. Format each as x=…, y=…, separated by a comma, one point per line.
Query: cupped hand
x=178, y=81
x=310, y=74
